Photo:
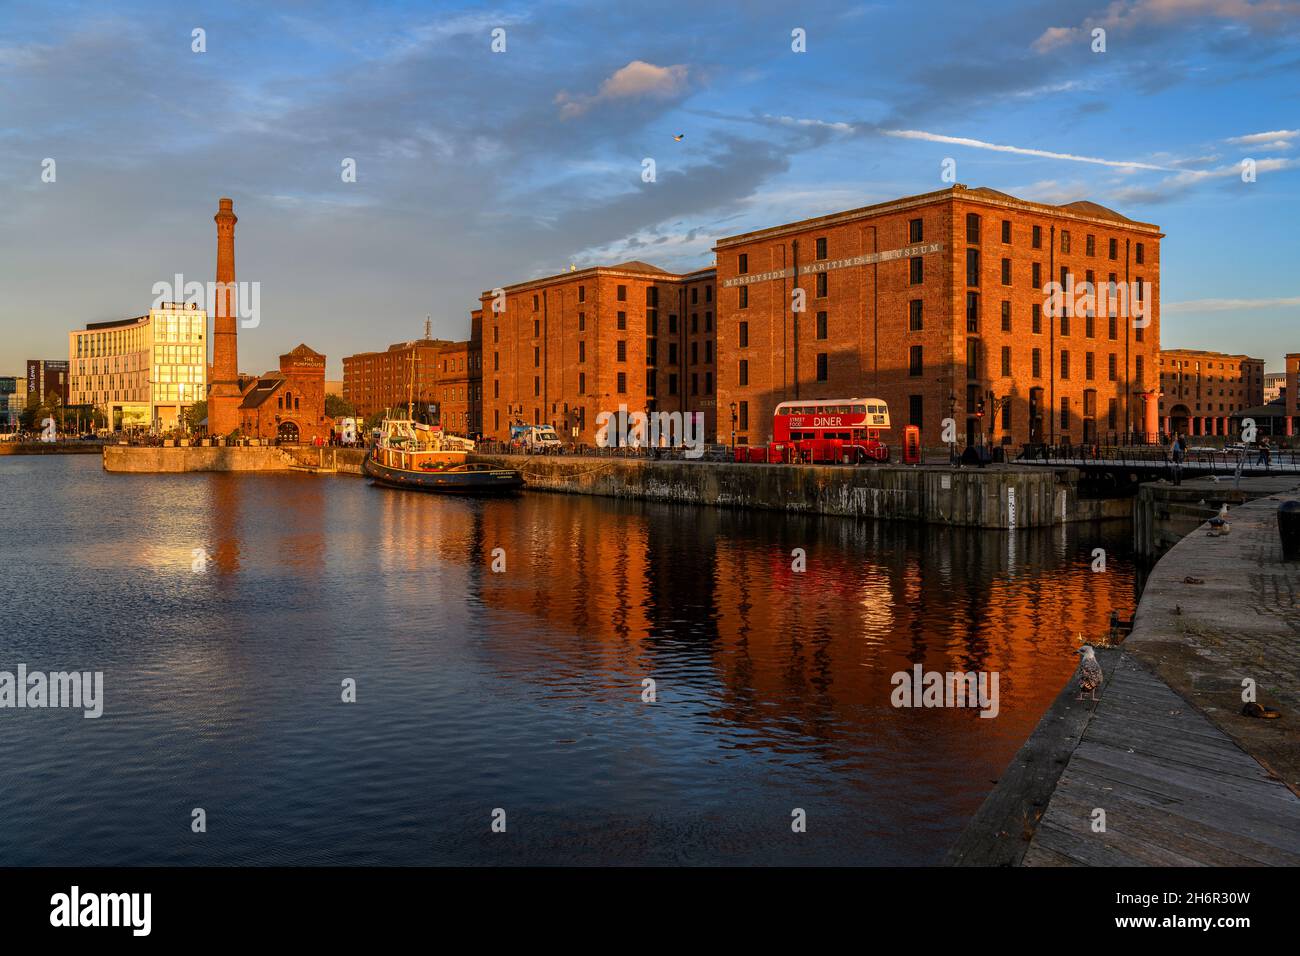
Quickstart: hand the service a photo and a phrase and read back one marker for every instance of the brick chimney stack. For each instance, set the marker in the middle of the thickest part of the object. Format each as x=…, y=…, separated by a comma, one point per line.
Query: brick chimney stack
x=224, y=396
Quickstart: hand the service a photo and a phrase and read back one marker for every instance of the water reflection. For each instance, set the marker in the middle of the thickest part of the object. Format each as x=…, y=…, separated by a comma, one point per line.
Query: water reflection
x=522, y=688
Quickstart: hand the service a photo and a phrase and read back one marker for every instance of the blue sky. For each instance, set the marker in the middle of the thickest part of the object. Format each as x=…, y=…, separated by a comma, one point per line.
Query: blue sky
x=477, y=169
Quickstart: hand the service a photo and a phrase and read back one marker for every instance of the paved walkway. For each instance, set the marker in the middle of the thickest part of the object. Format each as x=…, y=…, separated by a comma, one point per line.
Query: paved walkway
x=1183, y=777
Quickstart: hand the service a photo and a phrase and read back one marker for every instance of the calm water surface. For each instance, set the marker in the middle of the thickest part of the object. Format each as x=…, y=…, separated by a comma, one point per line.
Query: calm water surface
x=520, y=690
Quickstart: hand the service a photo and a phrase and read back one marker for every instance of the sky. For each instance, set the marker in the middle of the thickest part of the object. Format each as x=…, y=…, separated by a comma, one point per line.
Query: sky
x=477, y=168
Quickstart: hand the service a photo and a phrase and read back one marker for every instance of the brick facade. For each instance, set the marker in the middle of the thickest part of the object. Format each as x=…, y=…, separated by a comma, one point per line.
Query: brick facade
x=945, y=326
x=1199, y=391
x=290, y=404
x=562, y=349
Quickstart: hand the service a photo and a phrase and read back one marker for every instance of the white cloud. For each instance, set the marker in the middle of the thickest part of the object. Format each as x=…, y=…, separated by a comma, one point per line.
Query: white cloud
x=1019, y=150
x=637, y=79
x=1171, y=186
x=820, y=124
x=1265, y=137
x=1273, y=140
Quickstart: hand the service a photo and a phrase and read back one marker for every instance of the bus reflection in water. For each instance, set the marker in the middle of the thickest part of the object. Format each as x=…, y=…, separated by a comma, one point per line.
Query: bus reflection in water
x=825, y=431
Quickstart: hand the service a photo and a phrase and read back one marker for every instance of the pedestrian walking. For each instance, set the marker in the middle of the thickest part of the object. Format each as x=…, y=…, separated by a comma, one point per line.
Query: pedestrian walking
x=1177, y=452
x=1265, y=456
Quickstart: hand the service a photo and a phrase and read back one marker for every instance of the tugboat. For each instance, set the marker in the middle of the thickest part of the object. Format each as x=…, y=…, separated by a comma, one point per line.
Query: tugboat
x=410, y=454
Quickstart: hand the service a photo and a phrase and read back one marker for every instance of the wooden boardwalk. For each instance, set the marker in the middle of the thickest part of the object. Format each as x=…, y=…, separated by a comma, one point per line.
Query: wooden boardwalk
x=1175, y=789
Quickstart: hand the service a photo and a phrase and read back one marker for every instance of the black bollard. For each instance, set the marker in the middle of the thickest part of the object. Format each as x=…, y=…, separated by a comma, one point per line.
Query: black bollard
x=1288, y=528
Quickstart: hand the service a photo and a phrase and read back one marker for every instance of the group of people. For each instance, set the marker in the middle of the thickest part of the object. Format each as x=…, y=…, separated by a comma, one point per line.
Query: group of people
x=1178, y=454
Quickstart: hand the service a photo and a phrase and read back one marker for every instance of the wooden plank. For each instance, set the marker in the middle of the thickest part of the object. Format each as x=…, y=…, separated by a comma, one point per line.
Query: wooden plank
x=1177, y=791
x=1039, y=855
x=1233, y=787
x=1266, y=824
x=1176, y=750
x=1001, y=829
x=1085, y=852
x=1232, y=836
x=1157, y=837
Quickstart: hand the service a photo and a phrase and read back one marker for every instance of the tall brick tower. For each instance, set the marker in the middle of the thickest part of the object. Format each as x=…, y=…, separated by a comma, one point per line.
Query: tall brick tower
x=224, y=396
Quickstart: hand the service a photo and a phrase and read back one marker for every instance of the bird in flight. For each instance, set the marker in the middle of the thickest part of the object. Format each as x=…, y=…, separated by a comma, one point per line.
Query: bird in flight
x=679, y=137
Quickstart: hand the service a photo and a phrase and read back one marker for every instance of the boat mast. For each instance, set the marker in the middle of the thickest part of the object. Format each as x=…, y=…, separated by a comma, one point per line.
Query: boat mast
x=410, y=389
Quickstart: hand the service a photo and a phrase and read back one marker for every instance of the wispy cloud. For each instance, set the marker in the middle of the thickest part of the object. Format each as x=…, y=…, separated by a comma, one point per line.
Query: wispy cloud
x=1018, y=150
x=1174, y=186
x=1272, y=140
x=1126, y=16
x=1228, y=305
x=837, y=127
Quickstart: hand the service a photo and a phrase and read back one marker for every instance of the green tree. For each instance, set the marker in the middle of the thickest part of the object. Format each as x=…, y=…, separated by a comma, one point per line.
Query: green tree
x=54, y=408
x=195, y=414
x=31, y=414
x=338, y=407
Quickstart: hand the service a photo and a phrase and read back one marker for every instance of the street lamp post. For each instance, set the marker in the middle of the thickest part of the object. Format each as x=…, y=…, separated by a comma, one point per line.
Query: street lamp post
x=952, y=419
x=995, y=405
x=733, y=429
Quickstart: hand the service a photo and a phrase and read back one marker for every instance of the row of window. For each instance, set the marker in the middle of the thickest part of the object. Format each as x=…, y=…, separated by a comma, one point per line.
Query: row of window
x=916, y=409
x=622, y=384
x=620, y=348
x=620, y=293
x=973, y=227
x=916, y=364
x=620, y=322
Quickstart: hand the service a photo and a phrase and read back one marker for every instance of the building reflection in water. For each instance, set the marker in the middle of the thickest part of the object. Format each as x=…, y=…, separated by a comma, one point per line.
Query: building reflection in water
x=523, y=688
x=710, y=598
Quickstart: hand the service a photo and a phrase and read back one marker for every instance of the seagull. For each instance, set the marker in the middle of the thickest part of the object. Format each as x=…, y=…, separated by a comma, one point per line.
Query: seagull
x=679, y=137
x=1089, y=672
x=1219, y=524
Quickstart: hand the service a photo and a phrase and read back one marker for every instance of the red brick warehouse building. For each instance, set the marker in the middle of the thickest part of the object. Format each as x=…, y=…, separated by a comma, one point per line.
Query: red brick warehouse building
x=561, y=349
x=1201, y=392
x=936, y=304
x=458, y=384
x=429, y=373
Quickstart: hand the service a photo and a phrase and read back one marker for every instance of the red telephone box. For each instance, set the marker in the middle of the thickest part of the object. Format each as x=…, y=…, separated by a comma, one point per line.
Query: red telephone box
x=911, y=445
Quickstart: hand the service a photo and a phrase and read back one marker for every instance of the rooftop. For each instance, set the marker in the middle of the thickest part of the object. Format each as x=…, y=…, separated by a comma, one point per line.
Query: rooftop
x=1082, y=209
x=633, y=267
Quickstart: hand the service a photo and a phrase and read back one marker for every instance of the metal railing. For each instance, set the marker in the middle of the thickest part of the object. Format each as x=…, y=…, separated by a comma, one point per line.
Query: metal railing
x=715, y=453
x=1249, y=460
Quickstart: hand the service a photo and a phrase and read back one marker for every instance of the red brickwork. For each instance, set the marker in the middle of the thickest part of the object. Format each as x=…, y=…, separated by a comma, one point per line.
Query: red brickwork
x=290, y=405
x=1199, y=391
x=561, y=350
x=863, y=346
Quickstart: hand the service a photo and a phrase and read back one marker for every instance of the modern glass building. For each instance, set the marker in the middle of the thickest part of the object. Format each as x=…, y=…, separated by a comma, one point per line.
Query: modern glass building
x=141, y=372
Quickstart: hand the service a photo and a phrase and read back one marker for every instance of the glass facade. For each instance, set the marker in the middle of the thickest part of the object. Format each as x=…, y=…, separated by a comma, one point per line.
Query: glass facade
x=144, y=371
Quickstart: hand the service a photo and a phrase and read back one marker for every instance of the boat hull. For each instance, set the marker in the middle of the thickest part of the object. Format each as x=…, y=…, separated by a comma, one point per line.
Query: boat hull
x=491, y=481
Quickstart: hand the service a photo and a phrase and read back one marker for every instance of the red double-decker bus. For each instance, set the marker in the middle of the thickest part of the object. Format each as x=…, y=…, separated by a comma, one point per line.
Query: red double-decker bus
x=833, y=430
